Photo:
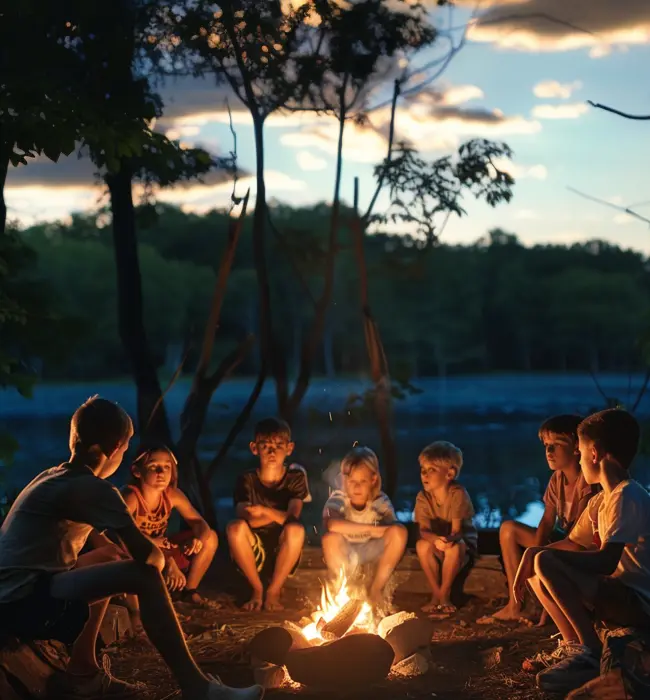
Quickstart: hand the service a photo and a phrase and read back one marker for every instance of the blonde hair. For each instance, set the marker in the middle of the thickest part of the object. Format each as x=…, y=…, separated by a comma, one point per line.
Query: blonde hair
x=443, y=452
x=362, y=457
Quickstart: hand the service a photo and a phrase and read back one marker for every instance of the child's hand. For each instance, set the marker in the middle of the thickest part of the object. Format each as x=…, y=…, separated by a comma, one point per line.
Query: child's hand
x=174, y=577
x=525, y=571
x=256, y=511
x=377, y=531
x=194, y=546
x=440, y=544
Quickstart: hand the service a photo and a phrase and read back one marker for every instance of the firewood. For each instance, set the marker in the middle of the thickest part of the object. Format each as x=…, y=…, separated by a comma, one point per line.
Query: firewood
x=352, y=662
x=271, y=645
x=345, y=618
x=410, y=635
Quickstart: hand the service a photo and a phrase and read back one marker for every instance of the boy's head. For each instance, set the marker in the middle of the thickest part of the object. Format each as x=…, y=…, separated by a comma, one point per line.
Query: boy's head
x=361, y=477
x=440, y=463
x=559, y=435
x=100, y=432
x=155, y=465
x=612, y=435
x=272, y=442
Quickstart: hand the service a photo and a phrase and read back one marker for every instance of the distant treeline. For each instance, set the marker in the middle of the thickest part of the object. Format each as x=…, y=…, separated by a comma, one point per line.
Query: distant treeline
x=493, y=305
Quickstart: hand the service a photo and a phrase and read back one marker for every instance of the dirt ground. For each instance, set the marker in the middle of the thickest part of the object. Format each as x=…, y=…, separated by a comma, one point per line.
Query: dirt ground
x=470, y=661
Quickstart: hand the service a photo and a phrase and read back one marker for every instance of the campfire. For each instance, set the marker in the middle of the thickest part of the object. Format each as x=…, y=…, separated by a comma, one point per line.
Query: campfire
x=339, y=613
x=345, y=643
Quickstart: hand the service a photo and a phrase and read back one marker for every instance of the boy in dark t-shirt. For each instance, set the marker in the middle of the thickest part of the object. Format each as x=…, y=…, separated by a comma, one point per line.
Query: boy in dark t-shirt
x=268, y=504
x=49, y=590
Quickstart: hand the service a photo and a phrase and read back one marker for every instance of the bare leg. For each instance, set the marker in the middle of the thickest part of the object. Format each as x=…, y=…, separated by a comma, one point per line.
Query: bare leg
x=569, y=589
x=451, y=565
x=241, y=540
x=100, y=582
x=395, y=539
x=336, y=552
x=291, y=541
x=431, y=567
x=545, y=598
x=200, y=564
x=514, y=538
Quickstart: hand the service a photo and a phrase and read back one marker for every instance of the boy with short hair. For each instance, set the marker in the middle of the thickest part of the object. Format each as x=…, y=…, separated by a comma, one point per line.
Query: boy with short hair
x=601, y=572
x=268, y=505
x=359, y=524
x=48, y=591
x=443, y=512
x=565, y=498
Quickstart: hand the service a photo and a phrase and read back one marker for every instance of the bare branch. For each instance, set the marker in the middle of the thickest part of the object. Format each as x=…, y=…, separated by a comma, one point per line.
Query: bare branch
x=234, y=200
x=624, y=210
x=642, y=390
x=172, y=381
x=230, y=362
x=599, y=387
x=391, y=137
x=638, y=117
x=281, y=239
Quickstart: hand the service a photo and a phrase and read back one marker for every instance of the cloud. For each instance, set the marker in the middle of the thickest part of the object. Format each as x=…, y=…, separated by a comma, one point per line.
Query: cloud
x=570, y=111
x=624, y=219
x=308, y=161
x=561, y=25
x=525, y=215
x=549, y=89
x=459, y=94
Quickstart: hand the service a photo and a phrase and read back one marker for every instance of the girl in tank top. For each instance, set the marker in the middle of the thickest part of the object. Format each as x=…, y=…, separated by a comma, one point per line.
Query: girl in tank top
x=151, y=497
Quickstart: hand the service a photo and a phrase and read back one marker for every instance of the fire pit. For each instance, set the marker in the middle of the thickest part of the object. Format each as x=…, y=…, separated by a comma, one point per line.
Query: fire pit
x=345, y=644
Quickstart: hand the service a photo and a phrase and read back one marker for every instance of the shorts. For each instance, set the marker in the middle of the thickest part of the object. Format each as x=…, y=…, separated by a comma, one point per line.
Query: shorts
x=39, y=616
x=266, y=544
x=176, y=553
x=619, y=605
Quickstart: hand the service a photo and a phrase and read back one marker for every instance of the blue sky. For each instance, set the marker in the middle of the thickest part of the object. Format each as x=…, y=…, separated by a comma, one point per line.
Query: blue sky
x=537, y=73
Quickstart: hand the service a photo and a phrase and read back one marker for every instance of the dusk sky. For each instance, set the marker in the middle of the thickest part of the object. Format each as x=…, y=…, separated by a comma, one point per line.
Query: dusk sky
x=521, y=80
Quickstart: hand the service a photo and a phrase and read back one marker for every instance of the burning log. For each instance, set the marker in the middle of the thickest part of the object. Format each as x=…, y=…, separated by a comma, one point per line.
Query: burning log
x=268, y=675
x=345, y=618
x=299, y=641
x=354, y=661
x=415, y=665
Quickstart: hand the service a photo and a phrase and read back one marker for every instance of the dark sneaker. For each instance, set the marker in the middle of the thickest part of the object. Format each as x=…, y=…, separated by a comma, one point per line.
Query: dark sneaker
x=578, y=666
x=545, y=659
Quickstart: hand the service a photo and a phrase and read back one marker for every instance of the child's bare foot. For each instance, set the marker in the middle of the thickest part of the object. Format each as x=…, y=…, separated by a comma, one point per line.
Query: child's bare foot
x=272, y=602
x=430, y=606
x=255, y=603
x=509, y=612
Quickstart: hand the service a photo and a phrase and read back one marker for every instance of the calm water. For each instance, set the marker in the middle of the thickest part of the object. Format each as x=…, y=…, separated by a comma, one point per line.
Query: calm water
x=494, y=419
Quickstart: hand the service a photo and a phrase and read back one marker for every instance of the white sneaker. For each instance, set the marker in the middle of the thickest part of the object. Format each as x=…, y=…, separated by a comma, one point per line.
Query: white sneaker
x=218, y=691
x=578, y=666
x=545, y=659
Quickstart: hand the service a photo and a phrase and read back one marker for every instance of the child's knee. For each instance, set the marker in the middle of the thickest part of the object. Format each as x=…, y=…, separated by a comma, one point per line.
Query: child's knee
x=508, y=530
x=397, y=534
x=294, y=533
x=423, y=548
x=211, y=542
x=544, y=562
x=237, y=530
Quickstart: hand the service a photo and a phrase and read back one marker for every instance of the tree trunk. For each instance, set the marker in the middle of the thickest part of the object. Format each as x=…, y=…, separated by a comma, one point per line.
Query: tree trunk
x=4, y=169
x=152, y=424
x=378, y=362
x=328, y=347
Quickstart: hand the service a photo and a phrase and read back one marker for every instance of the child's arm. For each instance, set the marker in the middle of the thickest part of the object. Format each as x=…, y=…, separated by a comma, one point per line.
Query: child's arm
x=200, y=529
x=546, y=525
x=294, y=509
x=345, y=527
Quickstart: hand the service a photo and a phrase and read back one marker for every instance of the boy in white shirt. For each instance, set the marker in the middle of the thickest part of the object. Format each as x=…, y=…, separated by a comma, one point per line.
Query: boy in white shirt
x=601, y=572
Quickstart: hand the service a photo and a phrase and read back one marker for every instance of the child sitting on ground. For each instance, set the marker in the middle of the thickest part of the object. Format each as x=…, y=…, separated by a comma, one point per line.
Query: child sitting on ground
x=566, y=497
x=443, y=512
x=151, y=498
x=359, y=523
x=49, y=591
x=267, y=533
x=601, y=572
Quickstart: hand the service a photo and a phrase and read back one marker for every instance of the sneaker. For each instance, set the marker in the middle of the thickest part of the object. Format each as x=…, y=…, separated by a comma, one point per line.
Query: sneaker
x=218, y=691
x=99, y=686
x=545, y=659
x=578, y=666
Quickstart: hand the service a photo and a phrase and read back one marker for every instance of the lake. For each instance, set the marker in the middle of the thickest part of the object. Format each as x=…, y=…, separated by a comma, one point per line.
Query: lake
x=493, y=418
